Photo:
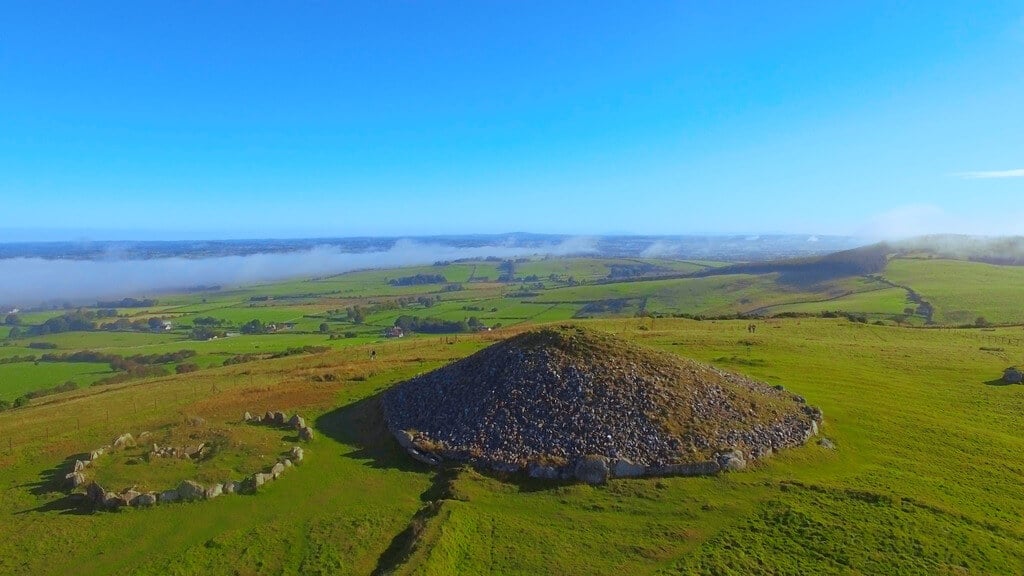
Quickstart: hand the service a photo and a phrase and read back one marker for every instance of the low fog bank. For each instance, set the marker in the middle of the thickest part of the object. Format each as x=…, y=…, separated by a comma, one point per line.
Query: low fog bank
x=998, y=250
x=34, y=281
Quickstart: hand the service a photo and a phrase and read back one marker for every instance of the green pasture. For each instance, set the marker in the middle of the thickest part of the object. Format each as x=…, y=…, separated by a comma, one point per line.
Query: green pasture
x=21, y=377
x=962, y=291
x=924, y=479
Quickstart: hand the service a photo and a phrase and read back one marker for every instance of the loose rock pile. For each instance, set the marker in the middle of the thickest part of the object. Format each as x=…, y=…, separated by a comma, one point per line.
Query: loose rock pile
x=572, y=403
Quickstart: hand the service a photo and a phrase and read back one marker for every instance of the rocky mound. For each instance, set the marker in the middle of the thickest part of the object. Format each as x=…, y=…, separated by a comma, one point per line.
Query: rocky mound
x=568, y=401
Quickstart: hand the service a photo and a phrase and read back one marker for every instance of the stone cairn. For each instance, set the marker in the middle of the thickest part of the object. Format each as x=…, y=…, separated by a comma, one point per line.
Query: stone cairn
x=188, y=490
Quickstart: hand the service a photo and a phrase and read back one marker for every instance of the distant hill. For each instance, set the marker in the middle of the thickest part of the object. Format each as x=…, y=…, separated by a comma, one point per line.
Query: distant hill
x=815, y=269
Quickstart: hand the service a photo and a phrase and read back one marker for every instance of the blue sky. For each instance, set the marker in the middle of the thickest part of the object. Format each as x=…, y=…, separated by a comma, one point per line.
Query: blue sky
x=191, y=120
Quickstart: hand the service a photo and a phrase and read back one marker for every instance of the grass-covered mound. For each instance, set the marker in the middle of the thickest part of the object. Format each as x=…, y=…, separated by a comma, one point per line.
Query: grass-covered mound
x=554, y=397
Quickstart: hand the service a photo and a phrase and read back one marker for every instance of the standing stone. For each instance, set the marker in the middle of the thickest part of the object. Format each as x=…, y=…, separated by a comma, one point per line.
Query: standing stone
x=191, y=490
x=75, y=479
x=96, y=493
x=112, y=501
x=592, y=469
x=277, y=470
x=129, y=495
x=247, y=417
x=280, y=418
x=1013, y=376
x=297, y=453
x=214, y=491
x=297, y=422
x=230, y=487
x=124, y=441
x=79, y=466
x=306, y=434
x=623, y=468
x=95, y=454
x=287, y=463
x=169, y=496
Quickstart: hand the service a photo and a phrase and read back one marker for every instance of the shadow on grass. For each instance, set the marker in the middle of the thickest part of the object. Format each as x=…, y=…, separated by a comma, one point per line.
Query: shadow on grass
x=77, y=504
x=54, y=479
x=361, y=424
x=999, y=382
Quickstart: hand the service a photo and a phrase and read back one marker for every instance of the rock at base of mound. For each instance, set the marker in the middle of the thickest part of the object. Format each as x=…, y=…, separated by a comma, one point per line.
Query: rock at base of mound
x=543, y=472
x=592, y=469
x=622, y=468
x=732, y=461
x=190, y=490
x=169, y=496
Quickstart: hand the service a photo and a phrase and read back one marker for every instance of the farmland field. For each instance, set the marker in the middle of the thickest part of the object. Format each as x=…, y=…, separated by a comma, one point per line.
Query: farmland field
x=925, y=476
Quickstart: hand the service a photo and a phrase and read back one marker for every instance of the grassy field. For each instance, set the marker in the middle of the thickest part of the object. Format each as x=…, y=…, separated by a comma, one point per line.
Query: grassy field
x=962, y=291
x=925, y=477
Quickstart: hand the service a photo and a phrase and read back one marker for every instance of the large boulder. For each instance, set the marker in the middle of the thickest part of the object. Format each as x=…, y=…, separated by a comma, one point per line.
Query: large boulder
x=130, y=495
x=247, y=417
x=1013, y=376
x=297, y=453
x=277, y=470
x=306, y=434
x=297, y=422
x=144, y=500
x=542, y=471
x=732, y=461
x=230, y=487
x=622, y=468
x=95, y=493
x=592, y=469
x=113, y=501
x=191, y=490
x=280, y=418
x=124, y=441
x=169, y=496
x=214, y=491
x=75, y=479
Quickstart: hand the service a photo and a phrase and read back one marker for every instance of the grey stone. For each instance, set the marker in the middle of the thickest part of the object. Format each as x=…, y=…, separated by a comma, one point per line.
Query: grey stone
x=732, y=461
x=169, y=496
x=297, y=422
x=129, y=495
x=191, y=490
x=124, y=441
x=623, y=468
x=214, y=491
x=75, y=479
x=297, y=453
x=306, y=434
x=1013, y=376
x=144, y=500
x=287, y=463
x=280, y=418
x=592, y=469
x=277, y=470
x=247, y=417
x=79, y=466
x=826, y=444
x=112, y=501
x=95, y=453
x=230, y=487
x=96, y=493
x=542, y=472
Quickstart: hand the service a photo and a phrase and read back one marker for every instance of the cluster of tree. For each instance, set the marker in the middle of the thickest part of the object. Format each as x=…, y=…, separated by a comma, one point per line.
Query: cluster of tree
x=344, y=335
x=42, y=346
x=431, y=325
x=614, y=306
x=12, y=319
x=206, y=333
x=139, y=365
x=507, y=271
x=86, y=321
x=24, y=399
x=208, y=321
x=17, y=359
x=127, y=303
x=141, y=325
x=254, y=326
x=418, y=280
x=637, y=270
x=453, y=287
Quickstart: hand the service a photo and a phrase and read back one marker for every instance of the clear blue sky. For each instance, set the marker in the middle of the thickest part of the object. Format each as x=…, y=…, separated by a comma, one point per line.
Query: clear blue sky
x=196, y=119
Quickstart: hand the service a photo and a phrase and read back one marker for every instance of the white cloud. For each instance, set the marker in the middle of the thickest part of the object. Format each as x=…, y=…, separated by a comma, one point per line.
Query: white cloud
x=984, y=175
x=924, y=219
